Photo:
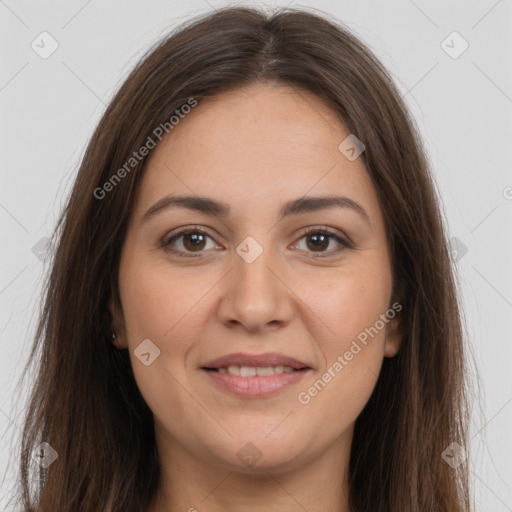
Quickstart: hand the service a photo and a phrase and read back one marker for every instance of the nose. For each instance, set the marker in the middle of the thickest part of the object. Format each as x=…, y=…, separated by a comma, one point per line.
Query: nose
x=256, y=295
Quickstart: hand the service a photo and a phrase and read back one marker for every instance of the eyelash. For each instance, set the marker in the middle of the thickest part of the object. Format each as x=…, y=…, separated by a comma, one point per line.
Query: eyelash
x=166, y=241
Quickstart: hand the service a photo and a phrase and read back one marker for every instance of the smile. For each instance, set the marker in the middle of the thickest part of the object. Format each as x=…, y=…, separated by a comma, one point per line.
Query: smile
x=255, y=382
x=252, y=371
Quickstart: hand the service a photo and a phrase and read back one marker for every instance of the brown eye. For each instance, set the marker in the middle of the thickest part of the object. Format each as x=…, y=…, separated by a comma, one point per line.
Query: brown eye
x=186, y=242
x=319, y=240
x=193, y=241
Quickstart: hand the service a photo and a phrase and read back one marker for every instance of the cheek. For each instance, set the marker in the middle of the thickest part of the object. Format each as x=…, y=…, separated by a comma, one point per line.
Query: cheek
x=352, y=343
x=349, y=303
x=169, y=308
x=165, y=309
x=156, y=302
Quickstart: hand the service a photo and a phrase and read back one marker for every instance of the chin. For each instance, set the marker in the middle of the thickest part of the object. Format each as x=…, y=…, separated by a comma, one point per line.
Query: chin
x=262, y=453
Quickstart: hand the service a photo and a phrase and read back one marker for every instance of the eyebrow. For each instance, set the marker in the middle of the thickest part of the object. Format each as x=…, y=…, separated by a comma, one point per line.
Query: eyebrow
x=215, y=208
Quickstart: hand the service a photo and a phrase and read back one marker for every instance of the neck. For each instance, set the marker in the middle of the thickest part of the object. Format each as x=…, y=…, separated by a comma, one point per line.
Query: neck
x=191, y=484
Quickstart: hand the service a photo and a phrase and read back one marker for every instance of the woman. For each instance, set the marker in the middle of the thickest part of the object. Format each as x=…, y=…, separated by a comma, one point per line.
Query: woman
x=252, y=304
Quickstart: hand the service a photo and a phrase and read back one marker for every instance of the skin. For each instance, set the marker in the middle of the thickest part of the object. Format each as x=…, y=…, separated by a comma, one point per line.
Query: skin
x=254, y=149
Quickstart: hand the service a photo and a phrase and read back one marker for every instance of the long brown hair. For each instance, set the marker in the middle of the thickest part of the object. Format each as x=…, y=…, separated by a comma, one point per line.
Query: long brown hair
x=85, y=402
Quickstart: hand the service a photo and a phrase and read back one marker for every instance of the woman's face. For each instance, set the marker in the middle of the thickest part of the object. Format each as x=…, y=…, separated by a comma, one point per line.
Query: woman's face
x=255, y=344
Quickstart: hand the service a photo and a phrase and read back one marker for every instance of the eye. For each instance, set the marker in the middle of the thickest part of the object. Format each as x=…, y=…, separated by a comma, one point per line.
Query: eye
x=193, y=240
x=318, y=240
x=190, y=240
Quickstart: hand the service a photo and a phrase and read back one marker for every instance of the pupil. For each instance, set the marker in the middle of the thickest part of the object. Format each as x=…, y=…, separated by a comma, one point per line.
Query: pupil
x=322, y=241
x=195, y=239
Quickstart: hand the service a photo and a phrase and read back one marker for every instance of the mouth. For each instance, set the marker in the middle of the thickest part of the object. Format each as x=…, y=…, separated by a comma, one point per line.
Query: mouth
x=255, y=371
x=255, y=375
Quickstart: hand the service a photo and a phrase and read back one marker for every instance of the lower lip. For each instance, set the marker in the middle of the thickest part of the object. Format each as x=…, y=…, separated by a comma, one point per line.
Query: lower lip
x=256, y=386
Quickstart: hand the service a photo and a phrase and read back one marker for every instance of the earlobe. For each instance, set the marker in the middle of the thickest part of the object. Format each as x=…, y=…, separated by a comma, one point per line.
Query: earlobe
x=395, y=327
x=117, y=324
x=393, y=338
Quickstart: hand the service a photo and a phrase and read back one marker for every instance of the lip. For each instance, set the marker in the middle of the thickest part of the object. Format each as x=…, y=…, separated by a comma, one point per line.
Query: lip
x=255, y=360
x=257, y=386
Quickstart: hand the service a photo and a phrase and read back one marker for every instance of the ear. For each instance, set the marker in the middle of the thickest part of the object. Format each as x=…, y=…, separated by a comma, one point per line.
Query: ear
x=394, y=336
x=395, y=327
x=117, y=322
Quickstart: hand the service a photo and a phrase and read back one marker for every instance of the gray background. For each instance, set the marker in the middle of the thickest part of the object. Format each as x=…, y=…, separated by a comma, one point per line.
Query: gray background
x=463, y=107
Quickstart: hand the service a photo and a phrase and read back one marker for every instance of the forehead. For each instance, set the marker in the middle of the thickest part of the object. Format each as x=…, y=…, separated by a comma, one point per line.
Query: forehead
x=255, y=146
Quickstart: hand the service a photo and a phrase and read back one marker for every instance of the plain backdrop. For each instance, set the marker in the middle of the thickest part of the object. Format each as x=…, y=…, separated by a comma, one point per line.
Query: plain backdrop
x=458, y=87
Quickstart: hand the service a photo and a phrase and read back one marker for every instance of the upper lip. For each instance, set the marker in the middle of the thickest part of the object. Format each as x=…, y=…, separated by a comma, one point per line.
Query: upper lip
x=255, y=360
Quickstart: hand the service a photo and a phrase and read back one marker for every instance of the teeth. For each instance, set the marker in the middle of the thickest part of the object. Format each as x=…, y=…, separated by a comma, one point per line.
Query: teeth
x=265, y=371
x=247, y=371
x=251, y=371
